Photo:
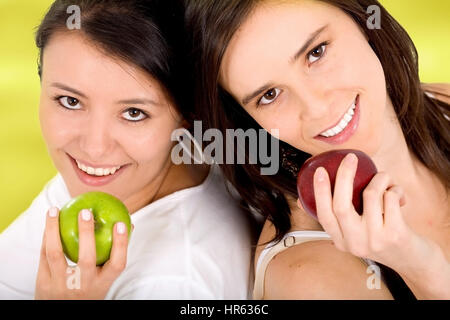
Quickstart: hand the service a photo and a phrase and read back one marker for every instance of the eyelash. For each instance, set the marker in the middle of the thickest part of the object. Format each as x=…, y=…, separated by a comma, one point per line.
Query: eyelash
x=146, y=116
x=58, y=100
x=137, y=121
x=323, y=44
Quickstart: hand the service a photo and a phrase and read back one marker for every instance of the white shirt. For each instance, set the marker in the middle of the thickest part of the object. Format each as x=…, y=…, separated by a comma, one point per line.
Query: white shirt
x=193, y=244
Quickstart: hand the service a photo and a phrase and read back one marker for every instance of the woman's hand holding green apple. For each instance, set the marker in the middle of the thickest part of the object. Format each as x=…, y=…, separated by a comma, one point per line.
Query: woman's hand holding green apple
x=56, y=280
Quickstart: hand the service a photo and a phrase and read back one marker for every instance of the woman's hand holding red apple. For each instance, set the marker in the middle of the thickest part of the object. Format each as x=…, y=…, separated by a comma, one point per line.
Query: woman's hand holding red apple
x=380, y=233
x=94, y=282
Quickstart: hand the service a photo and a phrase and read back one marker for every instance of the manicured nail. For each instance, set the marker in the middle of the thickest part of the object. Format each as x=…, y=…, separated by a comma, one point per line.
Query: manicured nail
x=85, y=215
x=429, y=94
x=53, y=212
x=350, y=159
x=121, y=228
x=320, y=174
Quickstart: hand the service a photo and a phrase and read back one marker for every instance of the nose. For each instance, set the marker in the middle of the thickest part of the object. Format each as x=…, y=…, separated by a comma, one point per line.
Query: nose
x=315, y=103
x=95, y=139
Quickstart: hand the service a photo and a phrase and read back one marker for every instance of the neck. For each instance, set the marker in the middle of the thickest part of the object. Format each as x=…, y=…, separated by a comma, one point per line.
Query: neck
x=406, y=170
x=394, y=157
x=171, y=179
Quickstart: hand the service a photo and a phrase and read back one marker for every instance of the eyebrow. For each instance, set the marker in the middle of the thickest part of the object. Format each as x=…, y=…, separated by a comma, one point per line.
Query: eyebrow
x=67, y=88
x=308, y=42
x=139, y=101
x=127, y=101
x=305, y=46
x=256, y=93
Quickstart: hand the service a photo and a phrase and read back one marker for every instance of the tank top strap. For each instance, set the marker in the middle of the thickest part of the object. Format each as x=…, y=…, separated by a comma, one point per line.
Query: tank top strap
x=272, y=249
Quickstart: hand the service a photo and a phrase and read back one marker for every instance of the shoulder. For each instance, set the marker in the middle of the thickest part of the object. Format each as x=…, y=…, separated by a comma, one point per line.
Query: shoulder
x=317, y=270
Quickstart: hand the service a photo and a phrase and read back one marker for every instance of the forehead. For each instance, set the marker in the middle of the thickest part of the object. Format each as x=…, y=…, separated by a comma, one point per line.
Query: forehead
x=274, y=32
x=70, y=56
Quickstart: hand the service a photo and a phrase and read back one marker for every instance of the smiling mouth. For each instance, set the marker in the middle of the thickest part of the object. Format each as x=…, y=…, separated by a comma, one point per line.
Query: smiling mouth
x=96, y=176
x=98, y=172
x=343, y=123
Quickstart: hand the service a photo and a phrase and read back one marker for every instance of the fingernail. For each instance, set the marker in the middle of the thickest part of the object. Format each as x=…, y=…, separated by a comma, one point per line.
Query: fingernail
x=320, y=174
x=350, y=159
x=85, y=215
x=53, y=212
x=121, y=228
x=429, y=94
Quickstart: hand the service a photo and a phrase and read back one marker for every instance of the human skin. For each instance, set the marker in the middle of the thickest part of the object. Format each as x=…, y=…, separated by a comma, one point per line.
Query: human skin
x=82, y=117
x=305, y=96
x=100, y=132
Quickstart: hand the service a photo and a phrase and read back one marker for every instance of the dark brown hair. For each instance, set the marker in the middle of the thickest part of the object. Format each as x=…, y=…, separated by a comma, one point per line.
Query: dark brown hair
x=148, y=34
x=212, y=24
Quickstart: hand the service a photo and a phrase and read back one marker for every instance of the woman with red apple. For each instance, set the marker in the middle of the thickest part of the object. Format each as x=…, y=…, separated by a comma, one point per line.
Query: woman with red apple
x=318, y=73
x=113, y=91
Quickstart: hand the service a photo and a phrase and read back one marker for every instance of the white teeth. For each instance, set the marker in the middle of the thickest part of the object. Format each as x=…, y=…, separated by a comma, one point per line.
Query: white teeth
x=347, y=117
x=99, y=172
x=342, y=124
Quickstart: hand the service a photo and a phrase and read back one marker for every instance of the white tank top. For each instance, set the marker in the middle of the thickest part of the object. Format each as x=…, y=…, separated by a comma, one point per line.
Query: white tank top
x=273, y=248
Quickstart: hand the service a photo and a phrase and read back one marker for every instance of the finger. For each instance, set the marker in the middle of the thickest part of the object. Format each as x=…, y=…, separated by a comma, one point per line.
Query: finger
x=392, y=200
x=44, y=274
x=118, y=258
x=54, y=252
x=322, y=194
x=87, y=255
x=438, y=96
x=343, y=208
x=373, y=201
x=441, y=88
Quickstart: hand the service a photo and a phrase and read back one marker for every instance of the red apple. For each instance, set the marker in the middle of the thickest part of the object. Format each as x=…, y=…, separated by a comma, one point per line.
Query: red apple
x=331, y=161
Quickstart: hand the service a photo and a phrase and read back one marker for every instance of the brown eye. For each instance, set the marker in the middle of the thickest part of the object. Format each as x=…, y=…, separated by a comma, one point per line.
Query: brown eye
x=72, y=102
x=316, y=53
x=69, y=103
x=134, y=115
x=270, y=96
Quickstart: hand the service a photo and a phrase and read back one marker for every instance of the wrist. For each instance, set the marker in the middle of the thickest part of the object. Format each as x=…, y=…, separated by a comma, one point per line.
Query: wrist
x=428, y=276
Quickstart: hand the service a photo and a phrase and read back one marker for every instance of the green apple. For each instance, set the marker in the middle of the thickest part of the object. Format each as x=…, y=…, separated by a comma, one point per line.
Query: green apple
x=107, y=211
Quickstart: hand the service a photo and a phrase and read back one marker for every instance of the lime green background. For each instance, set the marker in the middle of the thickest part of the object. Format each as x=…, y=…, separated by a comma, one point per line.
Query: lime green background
x=24, y=163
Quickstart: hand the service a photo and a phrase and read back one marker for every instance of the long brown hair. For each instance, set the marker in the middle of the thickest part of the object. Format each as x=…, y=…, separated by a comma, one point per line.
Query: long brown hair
x=148, y=34
x=212, y=24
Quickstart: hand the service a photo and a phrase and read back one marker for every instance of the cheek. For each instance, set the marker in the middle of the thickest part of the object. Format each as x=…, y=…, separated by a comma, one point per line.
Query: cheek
x=360, y=69
x=57, y=129
x=151, y=145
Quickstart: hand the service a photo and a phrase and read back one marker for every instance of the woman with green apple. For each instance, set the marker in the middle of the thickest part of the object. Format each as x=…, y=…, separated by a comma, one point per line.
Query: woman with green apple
x=114, y=89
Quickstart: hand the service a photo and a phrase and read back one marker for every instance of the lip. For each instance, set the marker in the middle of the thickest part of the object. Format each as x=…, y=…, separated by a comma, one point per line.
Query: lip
x=94, y=181
x=347, y=132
